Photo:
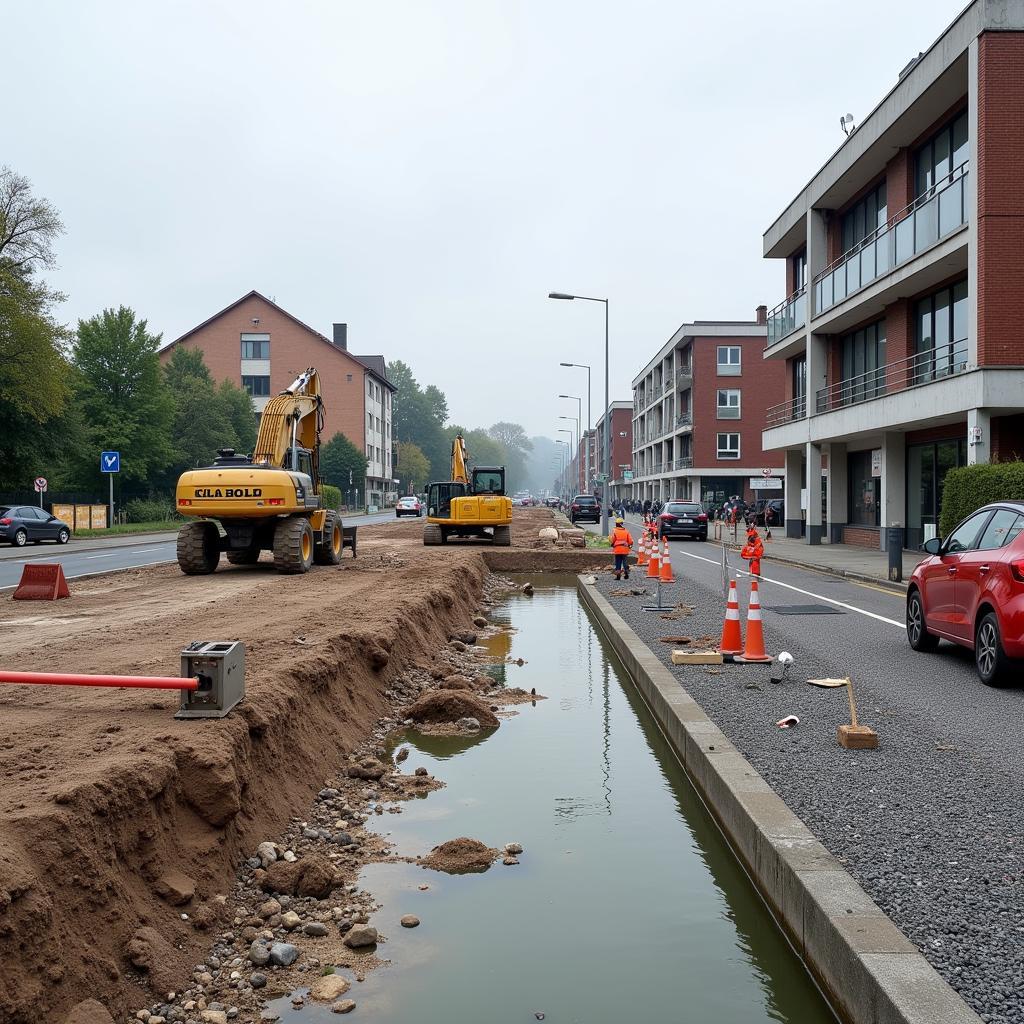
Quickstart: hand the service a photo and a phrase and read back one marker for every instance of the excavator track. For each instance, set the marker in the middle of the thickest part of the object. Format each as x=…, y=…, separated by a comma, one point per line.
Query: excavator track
x=432, y=534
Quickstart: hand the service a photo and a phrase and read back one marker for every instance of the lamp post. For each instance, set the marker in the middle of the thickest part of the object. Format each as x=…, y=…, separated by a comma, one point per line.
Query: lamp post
x=560, y=442
x=571, y=450
x=585, y=469
x=578, y=442
x=607, y=411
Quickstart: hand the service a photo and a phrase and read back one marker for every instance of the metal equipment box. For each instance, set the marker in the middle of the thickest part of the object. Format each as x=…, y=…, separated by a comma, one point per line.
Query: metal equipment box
x=220, y=667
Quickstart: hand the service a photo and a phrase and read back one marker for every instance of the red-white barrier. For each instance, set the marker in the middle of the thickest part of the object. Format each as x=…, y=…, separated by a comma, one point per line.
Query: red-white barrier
x=75, y=679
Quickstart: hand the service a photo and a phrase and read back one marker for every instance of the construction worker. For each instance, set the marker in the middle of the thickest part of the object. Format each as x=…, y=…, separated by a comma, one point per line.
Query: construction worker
x=753, y=551
x=622, y=541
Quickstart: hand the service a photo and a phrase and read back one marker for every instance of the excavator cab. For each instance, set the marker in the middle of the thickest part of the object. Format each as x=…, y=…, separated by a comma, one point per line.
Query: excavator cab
x=439, y=498
x=489, y=480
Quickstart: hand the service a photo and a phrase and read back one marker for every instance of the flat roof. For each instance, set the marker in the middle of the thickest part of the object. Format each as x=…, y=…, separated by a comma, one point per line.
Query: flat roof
x=705, y=329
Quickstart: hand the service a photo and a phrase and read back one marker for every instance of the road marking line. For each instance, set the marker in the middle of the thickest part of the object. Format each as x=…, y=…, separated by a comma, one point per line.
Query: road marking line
x=762, y=581
x=109, y=554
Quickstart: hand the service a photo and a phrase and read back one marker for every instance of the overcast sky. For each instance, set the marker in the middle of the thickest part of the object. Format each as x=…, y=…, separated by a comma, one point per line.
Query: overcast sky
x=428, y=171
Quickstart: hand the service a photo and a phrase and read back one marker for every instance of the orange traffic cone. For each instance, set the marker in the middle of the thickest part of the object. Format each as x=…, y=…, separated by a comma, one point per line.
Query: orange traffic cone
x=641, y=550
x=666, y=566
x=754, y=651
x=653, y=564
x=732, y=639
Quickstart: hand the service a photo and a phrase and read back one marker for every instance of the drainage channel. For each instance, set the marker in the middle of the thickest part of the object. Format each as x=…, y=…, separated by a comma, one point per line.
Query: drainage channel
x=627, y=903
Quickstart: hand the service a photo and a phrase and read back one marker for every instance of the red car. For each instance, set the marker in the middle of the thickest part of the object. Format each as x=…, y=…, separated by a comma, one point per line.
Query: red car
x=971, y=591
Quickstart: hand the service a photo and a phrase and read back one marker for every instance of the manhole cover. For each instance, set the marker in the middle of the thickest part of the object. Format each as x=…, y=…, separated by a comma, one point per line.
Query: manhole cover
x=805, y=609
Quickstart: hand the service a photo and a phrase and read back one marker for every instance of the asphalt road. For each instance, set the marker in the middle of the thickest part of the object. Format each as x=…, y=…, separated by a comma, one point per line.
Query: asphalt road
x=100, y=555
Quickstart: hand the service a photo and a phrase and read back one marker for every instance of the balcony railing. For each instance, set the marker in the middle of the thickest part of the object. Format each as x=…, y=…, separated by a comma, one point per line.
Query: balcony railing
x=683, y=463
x=786, y=317
x=920, y=368
x=684, y=375
x=933, y=215
x=785, y=412
x=684, y=419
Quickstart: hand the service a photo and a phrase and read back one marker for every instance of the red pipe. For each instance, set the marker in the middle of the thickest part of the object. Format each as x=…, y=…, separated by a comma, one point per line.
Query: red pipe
x=74, y=679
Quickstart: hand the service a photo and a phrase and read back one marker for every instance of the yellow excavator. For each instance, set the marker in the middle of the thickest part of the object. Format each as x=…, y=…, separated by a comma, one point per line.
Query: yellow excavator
x=471, y=504
x=270, y=501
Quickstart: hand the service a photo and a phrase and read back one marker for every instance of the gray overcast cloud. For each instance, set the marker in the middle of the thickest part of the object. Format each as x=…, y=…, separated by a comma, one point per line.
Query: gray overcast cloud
x=429, y=171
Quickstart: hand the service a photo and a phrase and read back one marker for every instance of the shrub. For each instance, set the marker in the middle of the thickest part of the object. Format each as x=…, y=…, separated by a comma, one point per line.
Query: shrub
x=150, y=510
x=331, y=496
x=967, y=488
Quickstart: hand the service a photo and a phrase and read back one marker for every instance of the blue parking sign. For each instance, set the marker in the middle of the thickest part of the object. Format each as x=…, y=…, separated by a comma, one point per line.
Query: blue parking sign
x=110, y=462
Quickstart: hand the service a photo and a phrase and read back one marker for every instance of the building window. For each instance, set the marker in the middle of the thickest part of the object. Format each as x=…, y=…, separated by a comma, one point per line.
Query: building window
x=864, y=217
x=728, y=446
x=258, y=387
x=863, y=354
x=942, y=154
x=369, y=421
x=729, y=404
x=927, y=466
x=941, y=342
x=255, y=346
x=348, y=377
x=729, y=360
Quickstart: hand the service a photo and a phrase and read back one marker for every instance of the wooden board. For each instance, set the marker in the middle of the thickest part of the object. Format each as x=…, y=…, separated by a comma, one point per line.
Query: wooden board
x=697, y=658
x=857, y=737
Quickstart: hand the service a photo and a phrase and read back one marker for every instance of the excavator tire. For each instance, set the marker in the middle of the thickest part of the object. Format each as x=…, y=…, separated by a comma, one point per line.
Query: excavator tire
x=503, y=536
x=432, y=534
x=293, y=545
x=328, y=551
x=244, y=556
x=198, y=548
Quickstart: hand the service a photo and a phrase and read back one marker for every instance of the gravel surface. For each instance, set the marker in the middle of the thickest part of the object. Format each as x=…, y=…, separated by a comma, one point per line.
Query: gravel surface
x=930, y=824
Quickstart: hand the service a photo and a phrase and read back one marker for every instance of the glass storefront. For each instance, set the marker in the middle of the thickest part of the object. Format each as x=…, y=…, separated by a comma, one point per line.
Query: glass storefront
x=716, y=490
x=927, y=466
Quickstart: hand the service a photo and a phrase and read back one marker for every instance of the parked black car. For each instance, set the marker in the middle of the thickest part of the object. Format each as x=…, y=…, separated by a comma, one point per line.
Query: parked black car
x=585, y=506
x=683, y=519
x=20, y=524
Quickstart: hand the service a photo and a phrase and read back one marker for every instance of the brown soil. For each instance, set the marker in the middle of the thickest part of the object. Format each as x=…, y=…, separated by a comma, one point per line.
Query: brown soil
x=105, y=793
x=460, y=856
x=447, y=706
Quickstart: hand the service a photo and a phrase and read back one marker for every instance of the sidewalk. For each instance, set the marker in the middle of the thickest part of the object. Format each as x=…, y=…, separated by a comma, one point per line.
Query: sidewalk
x=838, y=559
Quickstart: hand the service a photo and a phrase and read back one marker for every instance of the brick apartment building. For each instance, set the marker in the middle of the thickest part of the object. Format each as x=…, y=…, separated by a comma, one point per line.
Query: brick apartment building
x=904, y=262
x=698, y=411
x=257, y=344
x=620, y=485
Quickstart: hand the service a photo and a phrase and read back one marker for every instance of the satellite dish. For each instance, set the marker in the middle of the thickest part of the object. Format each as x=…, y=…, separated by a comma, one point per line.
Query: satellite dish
x=846, y=123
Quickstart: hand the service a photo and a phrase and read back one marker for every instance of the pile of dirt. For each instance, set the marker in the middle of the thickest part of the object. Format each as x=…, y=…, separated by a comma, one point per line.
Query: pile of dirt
x=444, y=707
x=460, y=856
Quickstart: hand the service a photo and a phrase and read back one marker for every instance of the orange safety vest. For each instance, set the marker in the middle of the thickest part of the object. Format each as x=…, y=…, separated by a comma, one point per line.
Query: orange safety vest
x=753, y=549
x=622, y=540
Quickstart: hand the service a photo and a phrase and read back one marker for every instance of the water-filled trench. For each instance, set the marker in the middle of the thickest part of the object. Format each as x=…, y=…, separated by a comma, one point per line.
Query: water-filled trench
x=627, y=903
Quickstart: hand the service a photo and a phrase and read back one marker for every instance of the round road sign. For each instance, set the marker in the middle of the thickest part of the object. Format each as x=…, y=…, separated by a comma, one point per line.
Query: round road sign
x=40, y=484
x=766, y=473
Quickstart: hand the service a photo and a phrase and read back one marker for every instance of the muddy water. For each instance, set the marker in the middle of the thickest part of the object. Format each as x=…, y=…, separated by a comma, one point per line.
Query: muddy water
x=627, y=904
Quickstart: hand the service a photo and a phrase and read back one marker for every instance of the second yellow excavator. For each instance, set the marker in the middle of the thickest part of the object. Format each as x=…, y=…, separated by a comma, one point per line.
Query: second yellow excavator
x=471, y=504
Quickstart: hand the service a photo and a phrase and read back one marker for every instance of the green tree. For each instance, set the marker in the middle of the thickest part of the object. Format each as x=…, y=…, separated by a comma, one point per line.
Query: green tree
x=517, y=447
x=238, y=405
x=38, y=427
x=121, y=393
x=413, y=468
x=419, y=416
x=340, y=462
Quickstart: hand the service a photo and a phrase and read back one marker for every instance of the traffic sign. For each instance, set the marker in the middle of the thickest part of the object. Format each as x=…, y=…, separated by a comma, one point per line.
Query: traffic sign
x=110, y=462
x=40, y=484
x=766, y=473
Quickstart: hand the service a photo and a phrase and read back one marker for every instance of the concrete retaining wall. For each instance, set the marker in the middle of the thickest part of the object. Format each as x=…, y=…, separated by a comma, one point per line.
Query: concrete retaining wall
x=870, y=971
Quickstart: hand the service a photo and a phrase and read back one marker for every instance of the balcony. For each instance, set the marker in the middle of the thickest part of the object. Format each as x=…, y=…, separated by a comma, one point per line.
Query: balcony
x=785, y=412
x=786, y=317
x=932, y=216
x=683, y=463
x=920, y=368
x=684, y=420
x=684, y=376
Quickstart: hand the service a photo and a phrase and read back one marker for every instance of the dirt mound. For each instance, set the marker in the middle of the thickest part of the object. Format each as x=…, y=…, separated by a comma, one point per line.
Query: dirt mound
x=442, y=707
x=460, y=856
x=309, y=876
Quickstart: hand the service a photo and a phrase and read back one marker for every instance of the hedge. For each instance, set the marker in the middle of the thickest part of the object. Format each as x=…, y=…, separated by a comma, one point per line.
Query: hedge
x=156, y=509
x=331, y=496
x=967, y=488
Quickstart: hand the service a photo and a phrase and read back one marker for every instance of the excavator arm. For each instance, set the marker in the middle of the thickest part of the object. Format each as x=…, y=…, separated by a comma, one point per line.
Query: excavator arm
x=292, y=420
x=460, y=461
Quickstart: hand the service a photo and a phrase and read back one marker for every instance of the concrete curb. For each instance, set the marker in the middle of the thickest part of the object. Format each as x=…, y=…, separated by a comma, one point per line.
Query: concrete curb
x=870, y=971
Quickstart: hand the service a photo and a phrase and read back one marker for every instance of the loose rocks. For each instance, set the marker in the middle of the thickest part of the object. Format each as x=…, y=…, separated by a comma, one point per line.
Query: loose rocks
x=344, y=1006
x=259, y=955
x=315, y=929
x=410, y=921
x=310, y=876
x=460, y=856
x=283, y=954
x=360, y=936
x=328, y=988
x=89, y=1012
x=174, y=887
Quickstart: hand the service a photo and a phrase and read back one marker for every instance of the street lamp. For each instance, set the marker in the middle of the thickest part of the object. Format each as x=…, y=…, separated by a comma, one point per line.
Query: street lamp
x=578, y=442
x=583, y=366
x=560, y=442
x=585, y=470
x=607, y=409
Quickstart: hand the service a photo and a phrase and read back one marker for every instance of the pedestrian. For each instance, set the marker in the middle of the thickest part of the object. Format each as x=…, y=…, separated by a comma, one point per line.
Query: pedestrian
x=622, y=541
x=753, y=551
x=769, y=520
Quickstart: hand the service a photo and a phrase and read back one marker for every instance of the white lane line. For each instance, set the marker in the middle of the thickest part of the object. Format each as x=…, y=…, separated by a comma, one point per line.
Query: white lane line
x=109, y=554
x=106, y=572
x=807, y=593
